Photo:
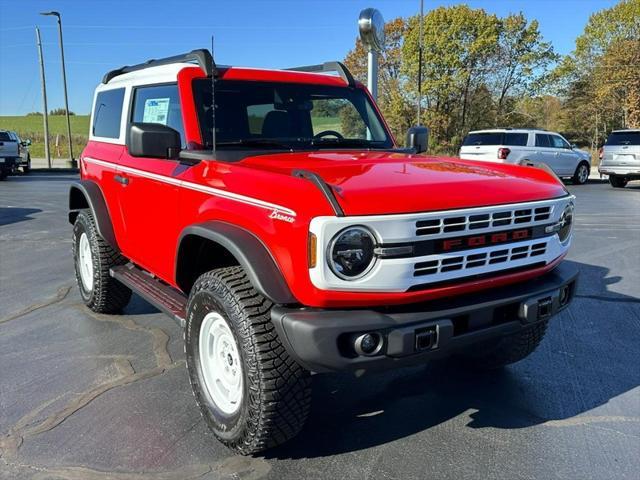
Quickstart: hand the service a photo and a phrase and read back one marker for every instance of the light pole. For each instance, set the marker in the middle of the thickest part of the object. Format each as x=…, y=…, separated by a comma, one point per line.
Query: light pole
x=64, y=84
x=420, y=41
x=371, y=26
x=44, y=98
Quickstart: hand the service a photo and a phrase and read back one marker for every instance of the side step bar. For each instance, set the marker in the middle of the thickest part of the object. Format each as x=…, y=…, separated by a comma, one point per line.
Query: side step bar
x=157, y=293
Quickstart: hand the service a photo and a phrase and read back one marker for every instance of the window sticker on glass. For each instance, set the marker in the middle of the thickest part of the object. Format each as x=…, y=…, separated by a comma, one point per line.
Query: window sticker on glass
x=156, y=110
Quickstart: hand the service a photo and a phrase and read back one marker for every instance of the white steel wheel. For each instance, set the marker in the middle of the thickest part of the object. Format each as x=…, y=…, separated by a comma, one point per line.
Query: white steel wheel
x=220, y=363
x=85, y=262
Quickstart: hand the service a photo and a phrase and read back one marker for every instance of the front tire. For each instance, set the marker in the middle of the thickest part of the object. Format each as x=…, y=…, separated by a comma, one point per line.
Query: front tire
x=93, y=258
x=251, y=393
x=617, y=181
x=581, y=174
x=507, y=350
x=27, y=168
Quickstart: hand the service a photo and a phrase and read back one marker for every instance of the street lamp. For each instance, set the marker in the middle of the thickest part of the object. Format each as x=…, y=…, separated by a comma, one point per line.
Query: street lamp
x=64, y=83
x=371, y=26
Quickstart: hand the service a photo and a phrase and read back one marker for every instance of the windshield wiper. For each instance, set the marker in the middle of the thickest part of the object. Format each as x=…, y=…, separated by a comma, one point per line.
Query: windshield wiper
x=344, y=142
x=268, y=142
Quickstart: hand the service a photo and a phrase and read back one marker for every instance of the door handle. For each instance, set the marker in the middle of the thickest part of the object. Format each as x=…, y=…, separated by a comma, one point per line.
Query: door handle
x=121, y=179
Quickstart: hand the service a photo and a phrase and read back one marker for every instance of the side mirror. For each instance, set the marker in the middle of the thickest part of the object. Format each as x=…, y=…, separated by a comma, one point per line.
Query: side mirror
x=418, y=139
x=574, y=146
x=153, y=140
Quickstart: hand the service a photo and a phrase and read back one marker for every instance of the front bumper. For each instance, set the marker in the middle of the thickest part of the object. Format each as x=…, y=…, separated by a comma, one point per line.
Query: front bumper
x=323, y=340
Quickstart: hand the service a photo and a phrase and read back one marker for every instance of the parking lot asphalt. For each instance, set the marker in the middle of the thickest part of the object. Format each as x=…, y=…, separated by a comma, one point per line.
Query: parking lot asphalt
x=91, y=397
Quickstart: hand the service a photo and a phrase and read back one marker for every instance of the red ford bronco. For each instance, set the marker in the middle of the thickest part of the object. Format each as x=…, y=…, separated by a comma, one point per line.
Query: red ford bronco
x=273, y=215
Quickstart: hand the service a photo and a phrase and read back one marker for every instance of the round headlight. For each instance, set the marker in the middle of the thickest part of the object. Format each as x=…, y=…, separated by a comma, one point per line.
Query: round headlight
x=566, y=223
x=351, y=253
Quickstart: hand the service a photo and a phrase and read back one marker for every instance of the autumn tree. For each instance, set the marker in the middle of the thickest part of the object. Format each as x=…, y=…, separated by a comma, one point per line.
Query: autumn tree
x=600, y=79
x=521, y=58
x=458, y=41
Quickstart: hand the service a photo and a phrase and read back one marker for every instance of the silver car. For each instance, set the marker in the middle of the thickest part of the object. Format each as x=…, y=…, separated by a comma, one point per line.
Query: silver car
x=621, y=157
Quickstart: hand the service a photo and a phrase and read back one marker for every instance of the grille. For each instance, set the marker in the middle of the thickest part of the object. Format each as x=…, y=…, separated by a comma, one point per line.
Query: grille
x=466, y=223
x=475, y=260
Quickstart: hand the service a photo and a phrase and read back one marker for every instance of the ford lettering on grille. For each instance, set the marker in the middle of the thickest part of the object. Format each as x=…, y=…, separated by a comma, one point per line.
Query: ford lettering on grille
x=487, y=239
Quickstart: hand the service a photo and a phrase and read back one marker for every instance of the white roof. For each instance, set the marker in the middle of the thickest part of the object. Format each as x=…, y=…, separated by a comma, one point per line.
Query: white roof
x=159, y=74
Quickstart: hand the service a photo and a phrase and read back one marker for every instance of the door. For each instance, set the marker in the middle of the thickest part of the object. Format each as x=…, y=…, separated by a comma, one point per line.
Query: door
x=149, y=186
x=566, y=160
x=544, y=153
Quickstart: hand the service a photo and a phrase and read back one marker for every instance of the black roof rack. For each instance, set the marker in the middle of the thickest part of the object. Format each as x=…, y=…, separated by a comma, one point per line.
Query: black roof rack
x=339, y=67
x=202, y=57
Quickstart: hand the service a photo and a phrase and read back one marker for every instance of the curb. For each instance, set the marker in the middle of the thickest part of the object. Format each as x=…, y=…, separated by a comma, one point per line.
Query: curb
x=53, y=170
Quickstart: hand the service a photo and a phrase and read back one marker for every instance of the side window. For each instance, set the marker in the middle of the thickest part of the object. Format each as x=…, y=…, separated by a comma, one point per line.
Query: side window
x=339, y=115
x=158, y=104
x=256, y=115
x=107, y=113
x=516, y=139
x=558, y=142
x=542, y=140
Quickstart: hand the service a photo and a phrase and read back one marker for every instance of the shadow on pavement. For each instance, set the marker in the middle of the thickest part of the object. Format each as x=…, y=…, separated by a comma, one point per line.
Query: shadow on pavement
x=582, y=363
x=9, y=215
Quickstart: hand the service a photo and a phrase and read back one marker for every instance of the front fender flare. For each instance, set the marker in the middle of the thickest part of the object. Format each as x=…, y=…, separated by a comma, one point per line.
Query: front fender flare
x=252, y=255
x=87, y=194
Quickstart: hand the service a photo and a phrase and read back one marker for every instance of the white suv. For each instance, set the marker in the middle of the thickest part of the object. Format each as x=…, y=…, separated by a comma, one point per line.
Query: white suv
x=528, y=147
x=621, y=157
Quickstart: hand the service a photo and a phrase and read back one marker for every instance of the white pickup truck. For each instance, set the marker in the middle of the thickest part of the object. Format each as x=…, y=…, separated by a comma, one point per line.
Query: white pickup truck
x=9, y=154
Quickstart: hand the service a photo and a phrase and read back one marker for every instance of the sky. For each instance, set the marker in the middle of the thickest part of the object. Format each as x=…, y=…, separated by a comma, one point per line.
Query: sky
x=100, y=35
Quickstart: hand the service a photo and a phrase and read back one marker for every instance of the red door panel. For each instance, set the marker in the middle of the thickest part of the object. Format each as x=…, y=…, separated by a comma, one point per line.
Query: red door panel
x=149, y=208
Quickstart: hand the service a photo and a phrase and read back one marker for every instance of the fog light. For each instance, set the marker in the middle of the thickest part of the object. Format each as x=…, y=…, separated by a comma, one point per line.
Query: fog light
x=368, y=344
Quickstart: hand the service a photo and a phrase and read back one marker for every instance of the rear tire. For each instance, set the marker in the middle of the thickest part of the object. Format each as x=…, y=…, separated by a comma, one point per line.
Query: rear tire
x=581, y=175
x=507, y=350
x=93, y=258
x=263, y=400
x=617, y=181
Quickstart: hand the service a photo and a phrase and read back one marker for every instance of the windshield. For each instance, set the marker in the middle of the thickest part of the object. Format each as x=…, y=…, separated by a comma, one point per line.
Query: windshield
x=288, y=115
x=5, y=137
x=624, y=138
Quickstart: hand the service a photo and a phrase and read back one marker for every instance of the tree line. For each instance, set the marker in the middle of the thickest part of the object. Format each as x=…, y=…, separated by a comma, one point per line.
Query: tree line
x=481, y=71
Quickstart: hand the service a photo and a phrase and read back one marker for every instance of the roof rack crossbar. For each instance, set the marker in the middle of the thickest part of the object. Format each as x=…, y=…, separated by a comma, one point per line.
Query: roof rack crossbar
x=202, y=57
x=339, y=67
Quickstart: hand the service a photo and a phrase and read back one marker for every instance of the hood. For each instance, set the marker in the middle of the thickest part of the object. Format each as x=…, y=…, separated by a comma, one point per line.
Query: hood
x=377, y=183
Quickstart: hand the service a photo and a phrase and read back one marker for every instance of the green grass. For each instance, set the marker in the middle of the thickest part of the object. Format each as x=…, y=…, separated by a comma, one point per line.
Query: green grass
x=326, y=123
x=32, y=128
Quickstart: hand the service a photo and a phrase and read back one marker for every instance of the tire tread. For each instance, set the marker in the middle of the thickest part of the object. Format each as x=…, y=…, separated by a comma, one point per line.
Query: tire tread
x=280, y=394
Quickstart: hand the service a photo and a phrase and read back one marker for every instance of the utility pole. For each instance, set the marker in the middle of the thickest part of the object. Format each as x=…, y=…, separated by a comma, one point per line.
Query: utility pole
x=44, y=99
x=420, y=41
x=64, y=83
